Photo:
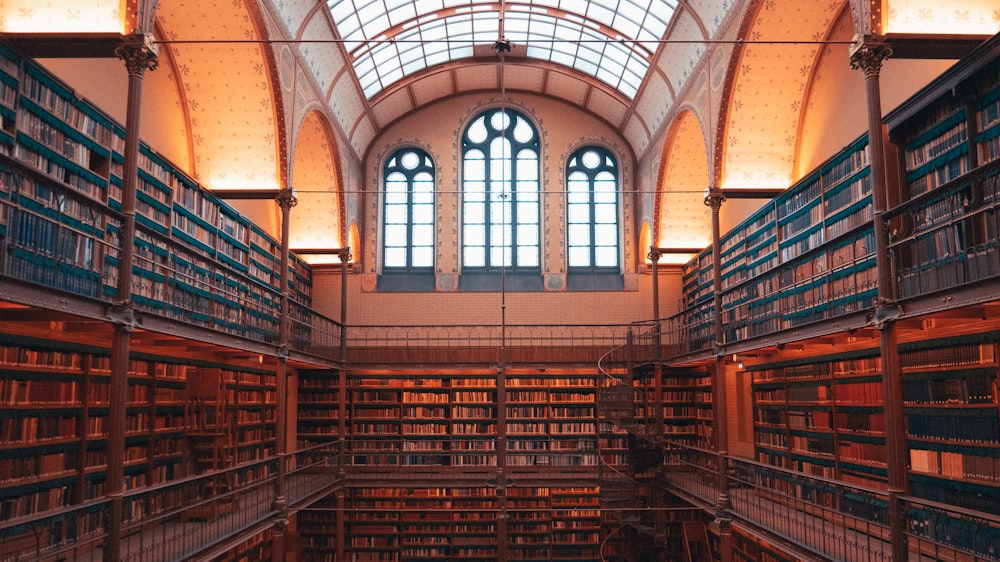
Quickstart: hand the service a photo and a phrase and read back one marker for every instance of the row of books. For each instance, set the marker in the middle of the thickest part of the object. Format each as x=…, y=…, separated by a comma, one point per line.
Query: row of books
x=76, y=145
x=968, y=466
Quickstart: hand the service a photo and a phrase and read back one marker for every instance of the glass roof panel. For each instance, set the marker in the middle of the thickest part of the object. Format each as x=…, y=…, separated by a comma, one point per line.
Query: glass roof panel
x=612, y=40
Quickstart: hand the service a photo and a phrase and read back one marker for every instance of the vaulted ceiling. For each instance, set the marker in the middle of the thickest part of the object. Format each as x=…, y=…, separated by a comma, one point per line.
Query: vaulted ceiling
x=255, y=79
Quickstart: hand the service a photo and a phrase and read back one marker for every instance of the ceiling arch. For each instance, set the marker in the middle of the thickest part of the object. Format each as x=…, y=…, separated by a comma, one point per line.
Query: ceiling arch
x=319, y=216
x=769, y=81
x=681, y=215
x=235, y=129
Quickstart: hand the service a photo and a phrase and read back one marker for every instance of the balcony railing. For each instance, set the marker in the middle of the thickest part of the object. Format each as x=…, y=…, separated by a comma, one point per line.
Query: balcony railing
x=832, y=519
x=584, y=343
x=177, y=519
x=54, y=236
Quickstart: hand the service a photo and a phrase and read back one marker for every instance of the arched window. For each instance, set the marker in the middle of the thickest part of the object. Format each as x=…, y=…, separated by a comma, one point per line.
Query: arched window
x=408, y=235
x=592, y=209
x=500, y=193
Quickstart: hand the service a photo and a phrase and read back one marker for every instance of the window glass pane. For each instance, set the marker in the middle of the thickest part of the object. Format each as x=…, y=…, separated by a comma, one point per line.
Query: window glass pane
x=523, y=132
x=527, y=235
x=579, y=234
x=474, y=191
x=500, y=235
x=607, y=257
x=422, y=198
x=423, y=214
x=606, y=234
x=527, y=256
x=579, y=257
x=500, y=212
x=396, y=214
x=474, y=235
x=605, y=214
x=423, y=235
x=474, y=256
x=476, y=133
x=395, y=197
x=499, y=120
x=578, y=214
x=395, y=257
x=578, y=198
x=499, y=256
x=474, y=213
x=423, y=257
x=527, y=213
x=527, y=191
x=409, y=160
x=527, y=165
x=395, y=235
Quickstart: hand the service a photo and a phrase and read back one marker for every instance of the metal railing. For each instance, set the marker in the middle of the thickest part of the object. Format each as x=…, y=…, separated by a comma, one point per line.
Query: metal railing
x=583, y=343
x=57, y=237
x=176, y=519
x=834, y=520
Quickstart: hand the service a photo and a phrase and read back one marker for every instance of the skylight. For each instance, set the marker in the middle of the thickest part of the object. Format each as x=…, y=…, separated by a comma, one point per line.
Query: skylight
x=612, y=40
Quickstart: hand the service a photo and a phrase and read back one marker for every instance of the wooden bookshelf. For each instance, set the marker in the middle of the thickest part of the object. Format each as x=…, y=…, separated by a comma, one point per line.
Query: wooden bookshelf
x=823, y=417
x=946, y=224
x=804, y=257
x=196, y=258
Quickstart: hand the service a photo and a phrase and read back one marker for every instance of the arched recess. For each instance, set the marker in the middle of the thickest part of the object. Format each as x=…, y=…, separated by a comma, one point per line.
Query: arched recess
x=767, y=86
x=682, y=219
x=645, y=242
x=230, y=90
x=318, y=219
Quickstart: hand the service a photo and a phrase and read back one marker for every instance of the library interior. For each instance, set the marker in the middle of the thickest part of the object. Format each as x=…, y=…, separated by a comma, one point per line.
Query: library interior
x=732, y=268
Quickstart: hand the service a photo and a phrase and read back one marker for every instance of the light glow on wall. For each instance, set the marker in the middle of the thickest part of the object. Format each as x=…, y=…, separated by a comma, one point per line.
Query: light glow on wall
x=954, y=17
x=62, y=16
x=759, y=176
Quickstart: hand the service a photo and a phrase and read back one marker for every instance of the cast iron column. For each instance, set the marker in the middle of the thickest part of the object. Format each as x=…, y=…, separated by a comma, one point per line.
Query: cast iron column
x=869, y=56
x=714, y=199
x=286, y=200
x=139, y=57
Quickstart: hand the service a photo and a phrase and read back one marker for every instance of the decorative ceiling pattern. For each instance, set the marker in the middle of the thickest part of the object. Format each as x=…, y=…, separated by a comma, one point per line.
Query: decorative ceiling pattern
x=32, y=16
x=770, y=83
x=228, y=92
x=934, y=16
x=683, y=219
x=316, y=221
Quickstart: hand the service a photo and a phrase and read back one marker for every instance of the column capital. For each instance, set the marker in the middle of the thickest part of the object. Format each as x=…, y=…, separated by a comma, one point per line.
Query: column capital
x=139, y=54
x=868, y=54
x=654, y=255
x=286, y=199
x=714, y=198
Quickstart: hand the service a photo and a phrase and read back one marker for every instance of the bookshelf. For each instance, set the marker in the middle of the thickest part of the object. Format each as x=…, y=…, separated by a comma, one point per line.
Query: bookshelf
x=53, y=447
x=823, y=417
x=947, y=222
x=320, y=401
x=196, y=258
x=686, y=404
x=804, y=257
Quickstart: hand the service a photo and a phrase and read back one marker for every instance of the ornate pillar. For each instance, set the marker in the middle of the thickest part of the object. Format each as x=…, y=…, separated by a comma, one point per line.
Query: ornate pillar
x=345, y=258
x=869, y=56
x=286, y=200
x=654, y=257
x=720, y=429
x=139, y=56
